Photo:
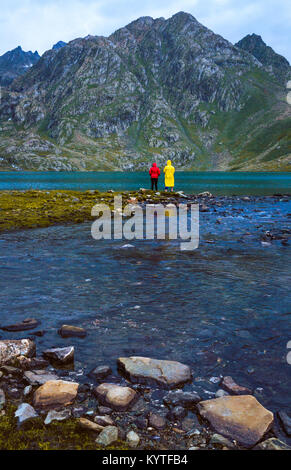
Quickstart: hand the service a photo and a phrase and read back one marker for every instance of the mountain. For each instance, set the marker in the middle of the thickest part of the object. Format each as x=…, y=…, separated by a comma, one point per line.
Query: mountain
x=15, y=63
x=275, y=63
x=59, y=44
x=153, y=90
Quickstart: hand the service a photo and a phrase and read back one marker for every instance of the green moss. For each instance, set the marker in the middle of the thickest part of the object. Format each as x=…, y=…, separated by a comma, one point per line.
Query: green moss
x=35, y=435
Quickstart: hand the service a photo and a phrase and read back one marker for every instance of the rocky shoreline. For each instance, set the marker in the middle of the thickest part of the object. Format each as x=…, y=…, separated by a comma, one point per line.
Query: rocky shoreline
x=43, y=406
x=39, y=208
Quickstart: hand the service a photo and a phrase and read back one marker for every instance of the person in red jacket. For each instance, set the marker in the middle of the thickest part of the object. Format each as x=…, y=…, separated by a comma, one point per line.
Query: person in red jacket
x=154, y=173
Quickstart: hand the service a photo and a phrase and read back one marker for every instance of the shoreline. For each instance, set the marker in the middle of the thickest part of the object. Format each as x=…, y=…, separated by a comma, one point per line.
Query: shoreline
x=43, y=208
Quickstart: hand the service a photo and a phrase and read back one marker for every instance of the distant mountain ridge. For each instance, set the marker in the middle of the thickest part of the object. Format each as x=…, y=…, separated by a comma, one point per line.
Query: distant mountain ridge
x=15, y=63
x=266, y=55
x=153, y=90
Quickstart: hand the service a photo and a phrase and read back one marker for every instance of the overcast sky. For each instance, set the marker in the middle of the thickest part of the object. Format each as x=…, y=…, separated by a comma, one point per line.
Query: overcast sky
x=38, y=24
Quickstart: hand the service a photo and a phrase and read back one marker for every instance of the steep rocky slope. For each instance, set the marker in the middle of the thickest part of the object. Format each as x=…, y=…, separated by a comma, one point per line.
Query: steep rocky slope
x=274, y=62
x=15, y=63
x=153, y=90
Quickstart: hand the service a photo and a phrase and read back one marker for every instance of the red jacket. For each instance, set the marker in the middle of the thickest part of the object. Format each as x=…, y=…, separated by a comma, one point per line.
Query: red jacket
x=154, y=171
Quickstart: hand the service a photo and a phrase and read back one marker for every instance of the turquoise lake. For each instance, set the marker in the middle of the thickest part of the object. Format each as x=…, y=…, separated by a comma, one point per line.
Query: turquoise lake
x=218, y=183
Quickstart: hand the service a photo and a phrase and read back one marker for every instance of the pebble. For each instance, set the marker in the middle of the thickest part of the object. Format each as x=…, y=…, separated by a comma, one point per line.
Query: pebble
x=24, y=413
x=107, y=436
x=57, y=416
x=132, y=438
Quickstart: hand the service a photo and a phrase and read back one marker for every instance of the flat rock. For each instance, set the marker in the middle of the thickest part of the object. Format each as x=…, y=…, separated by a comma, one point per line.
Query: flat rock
x=168, y=374
x=241, y=418
x=180, y=398
x=67, y=331
x=24, y=413
x=55, y=394
x=60, y=355
x=272, y=444
x=88, y=425
x=116, y=396
x=39, y=377
x=107, y=436
x=232, y=387
x=54, y=415
x=27, y=324
x=11, y=349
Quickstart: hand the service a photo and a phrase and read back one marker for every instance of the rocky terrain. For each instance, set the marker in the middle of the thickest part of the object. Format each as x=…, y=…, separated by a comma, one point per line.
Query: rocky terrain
x=153, y=90
x=43, y=406
x=15, y=63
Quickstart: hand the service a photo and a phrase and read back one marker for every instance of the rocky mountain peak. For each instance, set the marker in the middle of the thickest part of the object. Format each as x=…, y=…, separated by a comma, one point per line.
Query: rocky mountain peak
x=59, y=44
x=254, y=44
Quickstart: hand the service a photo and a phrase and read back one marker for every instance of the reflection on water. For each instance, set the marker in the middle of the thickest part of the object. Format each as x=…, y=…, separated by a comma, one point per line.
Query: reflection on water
x=223, y=308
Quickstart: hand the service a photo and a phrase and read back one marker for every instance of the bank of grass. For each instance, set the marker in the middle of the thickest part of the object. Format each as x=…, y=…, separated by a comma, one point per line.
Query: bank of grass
x=34, y=435
x=33, y=208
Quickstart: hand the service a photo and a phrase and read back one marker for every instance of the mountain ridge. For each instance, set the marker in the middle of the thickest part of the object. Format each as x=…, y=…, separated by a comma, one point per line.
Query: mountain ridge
x=153, y=90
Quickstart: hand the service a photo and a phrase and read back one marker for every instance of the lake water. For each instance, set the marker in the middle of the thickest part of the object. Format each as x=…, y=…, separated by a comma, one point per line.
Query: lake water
x=218, y=183
x=223, y=309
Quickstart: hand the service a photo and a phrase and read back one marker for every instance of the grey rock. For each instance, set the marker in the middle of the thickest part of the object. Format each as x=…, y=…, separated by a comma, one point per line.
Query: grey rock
x=24, y=413
x=157, y=421
x=132, y=438
x=286, y=422
x=39, y=377
x=27, y=324
x=2, y=399
x=104, y=420
x=11, y=349
x=60, y=355
x=272, y=444
x=27, y=390
x=100, y=372
x=180, y=398
x=221, y=393
x=107, y=436
x=218, y=439
x=57, y=416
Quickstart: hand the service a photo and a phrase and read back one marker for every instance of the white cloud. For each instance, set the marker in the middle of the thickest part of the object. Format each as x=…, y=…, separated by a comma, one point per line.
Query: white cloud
x=38, y=24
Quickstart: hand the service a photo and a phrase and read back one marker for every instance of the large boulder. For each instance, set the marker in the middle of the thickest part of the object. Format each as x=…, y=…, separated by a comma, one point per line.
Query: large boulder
x=167, y=374
x=116, y=396
x=241, y=418
x=55, y=394
x=11, y=349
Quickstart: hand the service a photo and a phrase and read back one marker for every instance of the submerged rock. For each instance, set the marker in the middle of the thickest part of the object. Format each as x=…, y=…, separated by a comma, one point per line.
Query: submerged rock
x=241, y=418
x=107, y=436
x=180, y=398
x=11, y=349
x=100, y=372
x=116, y=396
x=60, y=355
x=67, y=331
x=55, y=394
x=145, y=370
x=232, y=387
x=24, y=413
x=27, y=324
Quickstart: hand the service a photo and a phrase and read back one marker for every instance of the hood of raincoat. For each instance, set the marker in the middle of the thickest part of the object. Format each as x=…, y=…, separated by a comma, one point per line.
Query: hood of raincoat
x=169, y=163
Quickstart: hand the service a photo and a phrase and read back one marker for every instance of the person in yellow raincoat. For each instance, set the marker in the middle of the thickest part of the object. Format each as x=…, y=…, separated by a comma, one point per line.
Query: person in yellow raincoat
x=169, y=171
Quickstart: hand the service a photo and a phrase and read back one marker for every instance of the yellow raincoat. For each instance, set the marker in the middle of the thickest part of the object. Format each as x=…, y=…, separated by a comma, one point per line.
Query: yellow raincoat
x=169, y=171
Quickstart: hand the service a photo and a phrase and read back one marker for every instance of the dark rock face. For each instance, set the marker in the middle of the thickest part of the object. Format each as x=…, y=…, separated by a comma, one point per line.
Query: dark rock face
x=155, y=89
x=59, y=45
x=15, y=63
x=27, y=324
x=267, y=56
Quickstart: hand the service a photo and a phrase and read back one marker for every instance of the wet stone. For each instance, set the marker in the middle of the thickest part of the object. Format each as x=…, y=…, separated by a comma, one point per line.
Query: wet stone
x=285, y=421
x=156, y=421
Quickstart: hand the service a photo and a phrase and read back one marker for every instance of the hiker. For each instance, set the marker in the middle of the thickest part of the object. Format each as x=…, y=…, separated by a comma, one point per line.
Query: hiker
x=154, y=173
x=169, y=171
